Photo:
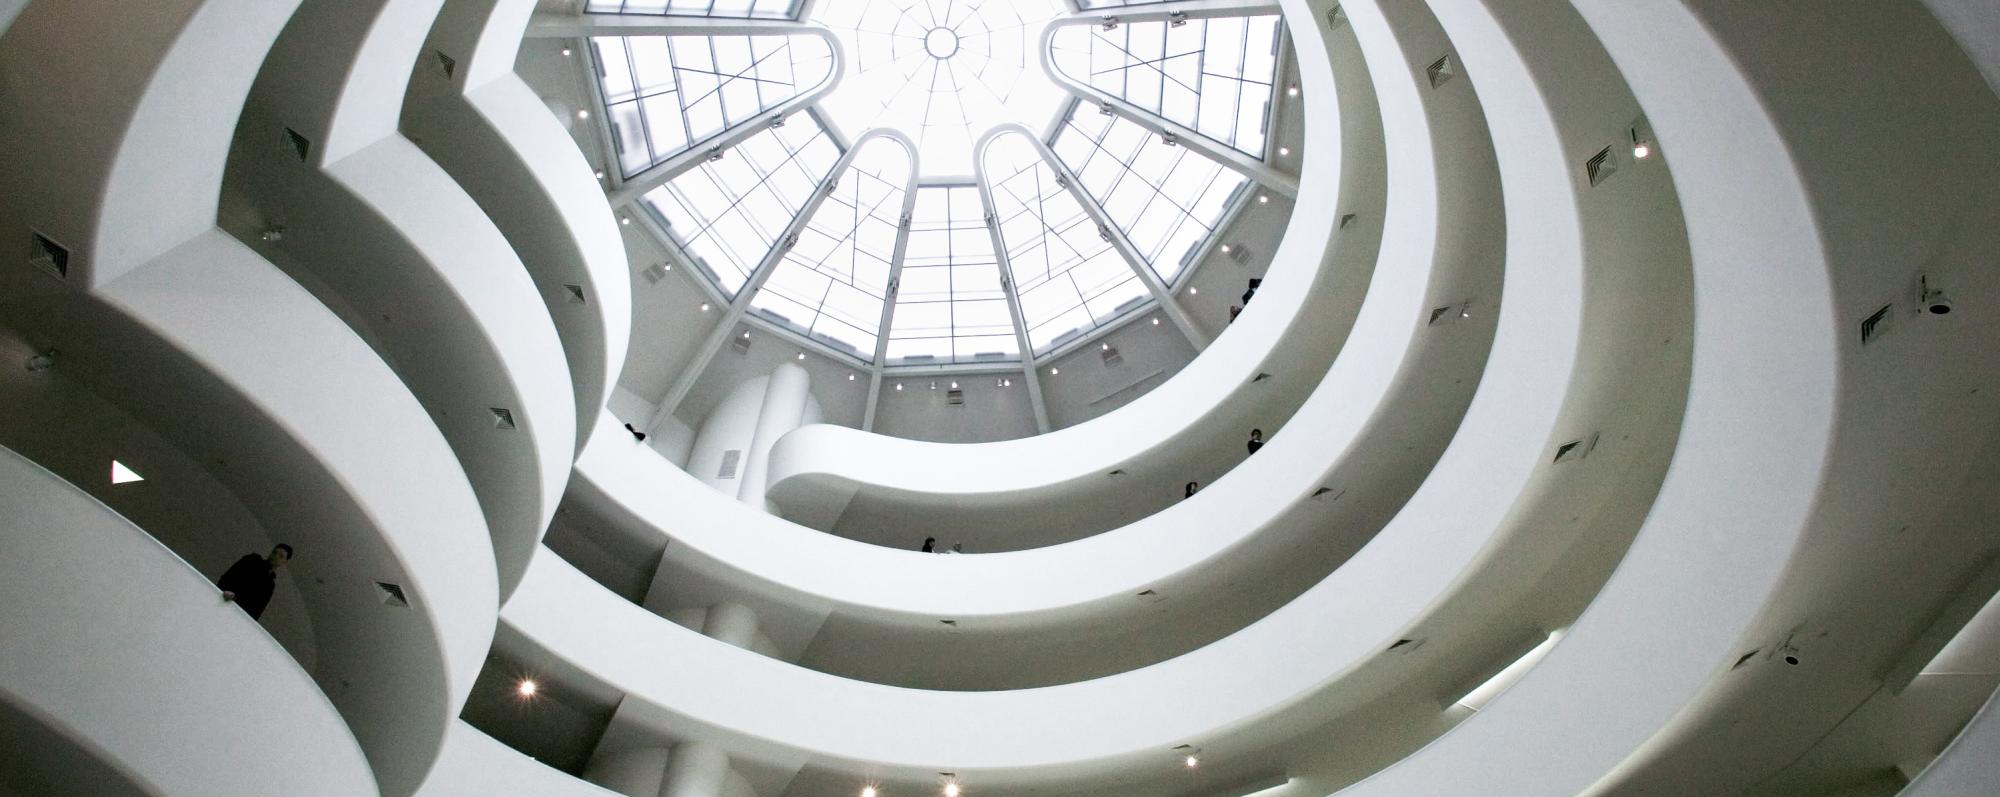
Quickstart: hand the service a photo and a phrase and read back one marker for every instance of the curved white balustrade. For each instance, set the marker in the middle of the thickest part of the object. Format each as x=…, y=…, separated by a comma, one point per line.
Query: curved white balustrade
x=81, y=589
x=1970, y=764
x=387, y=238
x=497, y=140
x=189, y=332
x=1779, y=444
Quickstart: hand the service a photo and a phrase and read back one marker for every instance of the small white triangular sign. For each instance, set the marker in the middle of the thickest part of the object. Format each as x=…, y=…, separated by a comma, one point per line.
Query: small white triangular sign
x=122, y=475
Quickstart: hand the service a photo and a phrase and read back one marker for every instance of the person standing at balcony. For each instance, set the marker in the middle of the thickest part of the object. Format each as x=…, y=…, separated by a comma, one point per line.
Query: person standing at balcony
x=1256, y=440
x=1191, y=488
x=930, y=545
x=250, y=582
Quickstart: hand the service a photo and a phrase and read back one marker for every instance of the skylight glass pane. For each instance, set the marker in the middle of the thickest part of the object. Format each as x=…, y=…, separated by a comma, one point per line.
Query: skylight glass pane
x=725, y=215
x=1213, y=76
x=942, y=71
x=1166, y=199
x=1069, y=279
x=668, y=94
x=752, y=9
x=830, y=286
x=950, y=307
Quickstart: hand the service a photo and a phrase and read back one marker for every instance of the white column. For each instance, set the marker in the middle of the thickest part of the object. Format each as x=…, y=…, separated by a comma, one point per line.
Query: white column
x=785, y=398
x=633, y=773
x=731, y=623
x=697, y=769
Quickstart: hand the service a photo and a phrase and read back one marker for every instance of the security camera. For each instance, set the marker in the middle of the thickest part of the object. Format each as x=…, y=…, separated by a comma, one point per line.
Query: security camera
x=1930, y=300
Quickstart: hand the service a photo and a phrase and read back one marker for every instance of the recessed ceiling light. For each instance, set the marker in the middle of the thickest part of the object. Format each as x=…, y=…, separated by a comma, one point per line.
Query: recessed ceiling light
x=1156, y=320
x=899, y=386
x=951, y=788
x=1641, y=151
x=1054, y=371
x=1225, y=249
x=625, y=220
x=565, y=52
x=1103, y=347
x=527, y=687
x=1194, y=290
x=868, y=791
x=583, y=113
x=1282, y=151
x=954, y=385
x=600, y=174
x=1263, y=199
x=850, y=377
x=802, y=355
x=704, y=307
x=746, y=334
x=1292, y=90
x=1192, y=762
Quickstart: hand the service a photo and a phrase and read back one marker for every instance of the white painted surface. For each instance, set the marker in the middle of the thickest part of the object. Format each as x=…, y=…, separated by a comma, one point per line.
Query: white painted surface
x=474, y=764
x=82, y=589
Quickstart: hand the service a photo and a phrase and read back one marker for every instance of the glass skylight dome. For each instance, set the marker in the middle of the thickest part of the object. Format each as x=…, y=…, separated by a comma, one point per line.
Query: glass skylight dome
x=906, y=183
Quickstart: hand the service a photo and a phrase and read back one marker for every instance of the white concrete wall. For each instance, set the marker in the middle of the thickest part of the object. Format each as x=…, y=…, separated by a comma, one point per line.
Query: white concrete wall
x=475, y=765
x=84, y=590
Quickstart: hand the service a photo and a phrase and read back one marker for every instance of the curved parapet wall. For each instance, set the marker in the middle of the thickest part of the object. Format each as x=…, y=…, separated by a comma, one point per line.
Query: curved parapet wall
x=325, y=187
x=80, y=590
x=476, y=765
x=480, y=122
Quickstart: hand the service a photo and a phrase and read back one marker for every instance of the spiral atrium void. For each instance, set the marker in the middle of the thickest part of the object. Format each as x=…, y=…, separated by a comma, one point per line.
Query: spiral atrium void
x=819, y=398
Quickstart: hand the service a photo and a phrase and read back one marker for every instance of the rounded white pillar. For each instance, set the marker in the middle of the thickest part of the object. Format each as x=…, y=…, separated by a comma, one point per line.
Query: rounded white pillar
x=731, y=623
x=633, y=773
x=785, y=400
x=697, y=769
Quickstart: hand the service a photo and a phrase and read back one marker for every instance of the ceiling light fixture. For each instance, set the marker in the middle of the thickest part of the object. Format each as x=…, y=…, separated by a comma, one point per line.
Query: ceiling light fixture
x=1156, y=320
x=704, y=307
x=527, y=687
x=802, y=355
x=868, y=791
x=566, y=52
x=625, y=220
x=1263, y=199
x=899, y=386
x=583, y=113
x=1054, y=371
x=1283, y=151
x=1292, y=90
x=1191, y=762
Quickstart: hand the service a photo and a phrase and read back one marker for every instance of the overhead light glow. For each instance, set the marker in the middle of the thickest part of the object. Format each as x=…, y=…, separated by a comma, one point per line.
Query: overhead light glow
x=1192, y=762
x=1263, y=199
x=1282, y=151
x=123, y=475
x=1292, y=90
x=704, y=307
x=1641, y=151
x=868, y=791
x=565, y=52
x=899, y=386
x=1156, y=320
x=1054, y=371
x=527, y=687
x=802, y=355
x=951, y=788
x=583, y=113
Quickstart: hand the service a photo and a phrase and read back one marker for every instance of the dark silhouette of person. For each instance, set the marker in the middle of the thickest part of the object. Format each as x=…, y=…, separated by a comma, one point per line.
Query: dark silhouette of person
x=1234, y=311
x=1252, y=291
x=1256, y=440
x=930, y=545
x=250, y=582
x=636, y=434
x=1191, y=488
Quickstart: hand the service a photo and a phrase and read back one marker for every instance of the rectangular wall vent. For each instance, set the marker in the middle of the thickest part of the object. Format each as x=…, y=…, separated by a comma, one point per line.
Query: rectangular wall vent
x=654, y=273
x=447, y=63
x=1600, y=167
x=1261, y=376
x=741, y=343
x=502, y=418
x=1442, y=71
x=1745, y=659
x=575, y=293
x=1111, y=356
x=49, y=256
x=392, y=595
x=730, y=459
x=298, y=144
x=1240, y=254
x=1346, y=220
x=954, y=397
x=1406, y=645
x=1442, y=313
x=1874, y=326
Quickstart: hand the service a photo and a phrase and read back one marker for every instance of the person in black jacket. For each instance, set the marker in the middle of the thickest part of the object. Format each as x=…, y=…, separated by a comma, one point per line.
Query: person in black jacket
x=250, y=582
x=1256, y=440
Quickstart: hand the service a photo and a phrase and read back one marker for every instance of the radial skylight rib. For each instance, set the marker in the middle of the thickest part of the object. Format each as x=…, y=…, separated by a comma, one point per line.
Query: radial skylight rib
x=950, y=307
x=667, y=94
x=1212, y=76
x=942, y=71
x=830, y=285
x=740, y=9
x=1069, y=280
x=725, y=215
x=1165, y=199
